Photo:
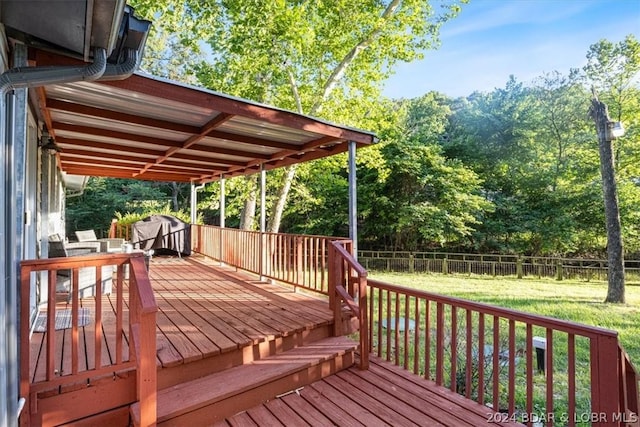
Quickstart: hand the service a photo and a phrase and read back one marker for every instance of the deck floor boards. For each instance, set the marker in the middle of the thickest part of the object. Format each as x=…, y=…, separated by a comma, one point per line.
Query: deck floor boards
x=204, y=310
x=366, y=401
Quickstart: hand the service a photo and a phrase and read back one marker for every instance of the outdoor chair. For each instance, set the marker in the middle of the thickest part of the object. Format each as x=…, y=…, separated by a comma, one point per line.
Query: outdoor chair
x=106, y=245
x=86, y=276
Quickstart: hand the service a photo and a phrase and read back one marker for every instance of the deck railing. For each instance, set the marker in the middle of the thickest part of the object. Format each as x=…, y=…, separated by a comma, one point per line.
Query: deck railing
x=348, y=284
x=91, y=329
x=581, y=375
x=528, y=368
x=296, y=259
x=120, y=231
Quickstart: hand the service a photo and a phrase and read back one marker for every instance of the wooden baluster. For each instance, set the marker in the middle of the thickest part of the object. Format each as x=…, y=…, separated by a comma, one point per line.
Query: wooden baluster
x=416, y=337
x=454, y=348
x=365, y=346
x=380, y=302
x=388, y=319
x=119, y=313
x=481, y=358
x=396, y=329
x=469, y=355
x=529, y=371
x=407, y=303
x=571, y=378
x=496, y=363
x=98, y=322
x=51, y=313
x=549, y=372
x=427, y=339
x=75, y=306
x=512, y=366
x=439, y=343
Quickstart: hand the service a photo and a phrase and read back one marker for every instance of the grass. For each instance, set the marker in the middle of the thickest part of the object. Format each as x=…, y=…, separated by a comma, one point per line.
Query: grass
x=573, y=300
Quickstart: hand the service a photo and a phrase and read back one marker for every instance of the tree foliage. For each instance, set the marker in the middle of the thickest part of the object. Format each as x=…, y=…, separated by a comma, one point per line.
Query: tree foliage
x=513, y=170
x=326, y=58
x=103, y=199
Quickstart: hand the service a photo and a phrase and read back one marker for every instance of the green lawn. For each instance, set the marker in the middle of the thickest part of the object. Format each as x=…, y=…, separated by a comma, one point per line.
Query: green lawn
x=577, y=301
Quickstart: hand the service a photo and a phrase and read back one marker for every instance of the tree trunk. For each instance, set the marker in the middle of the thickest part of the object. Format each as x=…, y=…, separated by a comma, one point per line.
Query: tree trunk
x=615, y=251
x=278, y=208
x=328, y=87
x=175, y=191
x=248, y=215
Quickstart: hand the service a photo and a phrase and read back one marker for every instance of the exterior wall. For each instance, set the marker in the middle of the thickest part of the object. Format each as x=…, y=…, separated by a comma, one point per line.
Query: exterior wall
x=19, y=183
x=50, y=219
x=4, y=349
x=13, y=119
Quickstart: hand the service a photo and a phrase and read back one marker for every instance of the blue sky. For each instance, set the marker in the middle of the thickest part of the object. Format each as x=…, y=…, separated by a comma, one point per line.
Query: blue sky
x=492, y=39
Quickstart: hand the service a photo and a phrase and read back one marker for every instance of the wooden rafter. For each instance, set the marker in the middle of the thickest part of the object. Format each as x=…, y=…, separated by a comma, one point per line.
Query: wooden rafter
x=150, y=128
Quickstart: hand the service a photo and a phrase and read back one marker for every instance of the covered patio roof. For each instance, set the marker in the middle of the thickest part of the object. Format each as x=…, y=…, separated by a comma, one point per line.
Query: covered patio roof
x=150, y=128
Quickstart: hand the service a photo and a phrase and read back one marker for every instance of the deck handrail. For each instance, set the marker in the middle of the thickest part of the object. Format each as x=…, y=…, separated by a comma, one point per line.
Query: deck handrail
x=142, y=324
x=483, y=341
x=348, y=283
x=141, y=318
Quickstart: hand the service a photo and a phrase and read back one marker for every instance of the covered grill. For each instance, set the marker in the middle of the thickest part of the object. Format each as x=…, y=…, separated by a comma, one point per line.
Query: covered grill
x=162, y=232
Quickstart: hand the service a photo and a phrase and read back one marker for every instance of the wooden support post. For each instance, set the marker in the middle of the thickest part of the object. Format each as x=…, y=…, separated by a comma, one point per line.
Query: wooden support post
x=605, y=380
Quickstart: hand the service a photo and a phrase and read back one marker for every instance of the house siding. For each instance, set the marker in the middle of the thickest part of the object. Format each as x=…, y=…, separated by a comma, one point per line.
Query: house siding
x=4, y=349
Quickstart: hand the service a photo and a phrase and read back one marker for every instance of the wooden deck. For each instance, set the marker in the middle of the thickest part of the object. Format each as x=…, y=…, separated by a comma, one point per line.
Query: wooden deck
x=213, y=318
x=204, y=310
x=385, y=395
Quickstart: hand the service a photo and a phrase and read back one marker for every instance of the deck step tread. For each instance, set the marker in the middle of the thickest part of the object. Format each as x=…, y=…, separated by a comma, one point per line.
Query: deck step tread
x=186, y=397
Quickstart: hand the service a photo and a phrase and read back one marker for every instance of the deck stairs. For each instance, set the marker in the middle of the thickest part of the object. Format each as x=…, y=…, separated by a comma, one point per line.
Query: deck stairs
x=213, y=397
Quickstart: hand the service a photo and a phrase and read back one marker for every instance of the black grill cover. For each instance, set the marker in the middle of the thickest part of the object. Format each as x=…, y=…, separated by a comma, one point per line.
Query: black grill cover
x=162, y=232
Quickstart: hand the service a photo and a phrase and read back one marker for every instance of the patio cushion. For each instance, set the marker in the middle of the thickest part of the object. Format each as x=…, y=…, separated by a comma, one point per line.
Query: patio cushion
x=86, y=235
x=106, y=245
x=86, y=276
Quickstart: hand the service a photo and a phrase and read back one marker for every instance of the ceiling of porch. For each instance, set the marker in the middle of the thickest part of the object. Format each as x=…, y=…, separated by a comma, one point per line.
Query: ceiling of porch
x=154, y=129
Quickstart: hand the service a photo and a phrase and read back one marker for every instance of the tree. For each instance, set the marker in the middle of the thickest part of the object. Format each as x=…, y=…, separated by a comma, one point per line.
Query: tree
x=429, y=200
x=327, y=58
x=615, y=249
x=87, y=211
x=612, y=70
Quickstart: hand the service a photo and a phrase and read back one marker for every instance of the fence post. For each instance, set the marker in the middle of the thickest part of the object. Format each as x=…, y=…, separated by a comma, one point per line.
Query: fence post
x=445, y=266
x=519, y=267
x=412, y=264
